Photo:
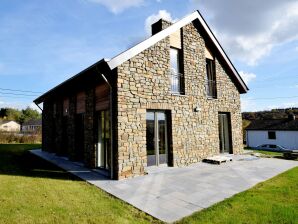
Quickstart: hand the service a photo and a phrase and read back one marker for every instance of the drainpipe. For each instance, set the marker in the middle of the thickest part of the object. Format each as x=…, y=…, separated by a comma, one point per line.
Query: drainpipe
x=111, y=121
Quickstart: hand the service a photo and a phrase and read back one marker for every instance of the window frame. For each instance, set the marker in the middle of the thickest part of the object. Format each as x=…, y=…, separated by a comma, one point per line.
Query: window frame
x=178, y=74
x=211, y=85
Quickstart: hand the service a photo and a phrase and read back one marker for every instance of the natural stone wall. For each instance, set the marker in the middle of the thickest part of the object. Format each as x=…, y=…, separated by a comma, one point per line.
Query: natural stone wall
x=71, y=127
x=89, y=129
x=47, y=127
x=144, y=83
x=53, y=131
x=58, y=127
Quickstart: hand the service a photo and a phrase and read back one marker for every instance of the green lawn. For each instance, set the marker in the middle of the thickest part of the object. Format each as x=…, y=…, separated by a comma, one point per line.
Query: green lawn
x=34, y=191
x=269, y=153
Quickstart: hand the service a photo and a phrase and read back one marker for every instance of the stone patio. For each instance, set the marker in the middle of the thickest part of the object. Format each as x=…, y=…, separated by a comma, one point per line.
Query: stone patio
x=170, y=194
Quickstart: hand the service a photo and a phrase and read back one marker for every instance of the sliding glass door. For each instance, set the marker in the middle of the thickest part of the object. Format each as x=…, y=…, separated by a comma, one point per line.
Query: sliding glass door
x=225, y=133
x=157, y=138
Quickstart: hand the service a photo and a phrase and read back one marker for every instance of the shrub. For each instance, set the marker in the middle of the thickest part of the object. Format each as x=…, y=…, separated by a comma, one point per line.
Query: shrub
x=9, y=137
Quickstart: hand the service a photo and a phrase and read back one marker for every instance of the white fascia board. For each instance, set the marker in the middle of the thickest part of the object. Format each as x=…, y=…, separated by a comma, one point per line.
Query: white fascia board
x=222, y=52
x=128, y=54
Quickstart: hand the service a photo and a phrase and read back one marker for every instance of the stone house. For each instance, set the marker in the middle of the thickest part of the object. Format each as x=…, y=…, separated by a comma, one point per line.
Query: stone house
x=173, y=99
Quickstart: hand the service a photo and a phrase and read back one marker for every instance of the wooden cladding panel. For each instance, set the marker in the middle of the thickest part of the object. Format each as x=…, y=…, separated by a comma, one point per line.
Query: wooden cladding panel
x=102, y=97
x=175, y=39
x=81, y=102
x=208, y=54
x=66, y=107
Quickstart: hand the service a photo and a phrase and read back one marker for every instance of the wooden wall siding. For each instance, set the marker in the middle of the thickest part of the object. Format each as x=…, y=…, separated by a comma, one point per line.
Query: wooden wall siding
x=208, y=54
x=175, y=39
x=81, y=102
x=102, y=97
x=66, y=107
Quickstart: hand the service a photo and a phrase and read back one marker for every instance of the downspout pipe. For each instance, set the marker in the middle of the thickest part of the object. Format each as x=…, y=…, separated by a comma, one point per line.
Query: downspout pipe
x=111, y=121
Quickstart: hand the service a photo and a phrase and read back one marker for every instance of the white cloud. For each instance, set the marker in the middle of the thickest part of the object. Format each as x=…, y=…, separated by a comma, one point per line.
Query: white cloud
x=254, y=27
x=295, y=86
x=164, y=14
x=290, y=104
x=247, y=105
x=247, y=77
x=33, y=106
x=117, y=6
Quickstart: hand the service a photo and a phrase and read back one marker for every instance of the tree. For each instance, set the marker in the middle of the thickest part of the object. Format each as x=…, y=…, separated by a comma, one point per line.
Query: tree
x=13, y=114
x=29, y=114
x=19, y=115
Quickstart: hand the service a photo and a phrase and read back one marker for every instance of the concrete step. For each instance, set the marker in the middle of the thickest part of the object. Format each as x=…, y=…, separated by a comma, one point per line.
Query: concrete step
x=219, y=159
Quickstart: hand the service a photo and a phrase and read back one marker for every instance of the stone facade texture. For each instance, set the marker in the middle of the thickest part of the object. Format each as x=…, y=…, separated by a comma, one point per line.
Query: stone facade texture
x=58, y=127
x=47, y=127
x=71, y=128
x=144, y=83
x=89, y=133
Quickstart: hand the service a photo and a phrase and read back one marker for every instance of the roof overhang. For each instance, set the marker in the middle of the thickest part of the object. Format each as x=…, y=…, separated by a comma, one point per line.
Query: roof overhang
x=128, y=54
x=100, y=66
x=108, y=65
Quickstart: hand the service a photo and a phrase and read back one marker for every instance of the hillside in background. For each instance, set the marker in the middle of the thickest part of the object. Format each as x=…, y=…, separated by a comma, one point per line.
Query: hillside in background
x=268, y=115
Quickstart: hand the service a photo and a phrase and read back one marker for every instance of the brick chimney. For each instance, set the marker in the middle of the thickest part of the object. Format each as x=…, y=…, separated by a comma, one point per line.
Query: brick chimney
x=159, y=26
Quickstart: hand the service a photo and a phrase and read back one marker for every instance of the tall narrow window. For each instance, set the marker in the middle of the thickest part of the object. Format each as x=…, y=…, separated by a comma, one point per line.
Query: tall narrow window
x=211, y=79
x=177, y=78
x=103, y=140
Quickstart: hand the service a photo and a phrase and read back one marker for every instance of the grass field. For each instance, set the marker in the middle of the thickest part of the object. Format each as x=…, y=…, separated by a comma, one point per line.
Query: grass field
x=34, y=191
x=270, y=154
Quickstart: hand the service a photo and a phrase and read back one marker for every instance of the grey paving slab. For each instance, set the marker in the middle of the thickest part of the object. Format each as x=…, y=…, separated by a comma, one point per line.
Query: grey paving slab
x=170, y=194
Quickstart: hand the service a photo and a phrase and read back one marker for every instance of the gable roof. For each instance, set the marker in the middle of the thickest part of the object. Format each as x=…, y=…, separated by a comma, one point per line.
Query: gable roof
x=7, y=121
x=128, y=54
x=133, y=51
x=33, y=122
x=280, y=124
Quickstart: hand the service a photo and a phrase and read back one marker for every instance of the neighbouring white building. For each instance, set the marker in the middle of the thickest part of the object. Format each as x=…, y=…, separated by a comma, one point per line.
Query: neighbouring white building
x=31, y=126
x=282, y=132
x=10, y=126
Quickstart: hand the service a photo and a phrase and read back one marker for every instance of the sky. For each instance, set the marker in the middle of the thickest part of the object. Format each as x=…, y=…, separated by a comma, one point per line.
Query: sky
x=42, y=43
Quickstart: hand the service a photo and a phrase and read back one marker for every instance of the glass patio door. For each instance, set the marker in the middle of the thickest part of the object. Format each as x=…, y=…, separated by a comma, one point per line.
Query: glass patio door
x=157, y=140
x=224, y=133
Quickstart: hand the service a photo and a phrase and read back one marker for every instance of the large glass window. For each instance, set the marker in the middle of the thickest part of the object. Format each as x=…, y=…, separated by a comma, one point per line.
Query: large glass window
x=104, y=141
x=177, y=78
x=211, y=79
